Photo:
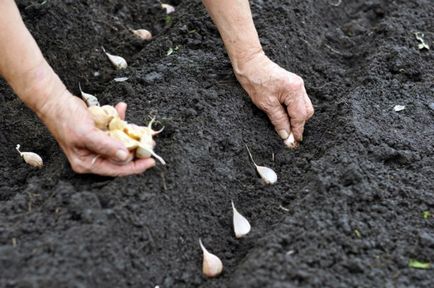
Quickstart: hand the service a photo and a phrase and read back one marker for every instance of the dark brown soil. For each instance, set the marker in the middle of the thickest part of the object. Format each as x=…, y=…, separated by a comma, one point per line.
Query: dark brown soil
x=353, y=194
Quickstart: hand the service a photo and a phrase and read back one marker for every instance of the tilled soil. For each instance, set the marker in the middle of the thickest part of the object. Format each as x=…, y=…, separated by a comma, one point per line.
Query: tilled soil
x=351, y=206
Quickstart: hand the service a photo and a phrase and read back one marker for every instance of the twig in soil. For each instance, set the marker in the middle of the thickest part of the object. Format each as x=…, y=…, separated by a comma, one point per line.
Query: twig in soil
x=14, y=242
x=164, y=181
x=37, y=5
x=283, y=208
x=272, y=156
x=290, y=252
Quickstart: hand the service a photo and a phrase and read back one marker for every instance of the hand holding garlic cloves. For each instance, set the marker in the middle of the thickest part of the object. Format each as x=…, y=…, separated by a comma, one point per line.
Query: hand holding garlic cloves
x=89, y=149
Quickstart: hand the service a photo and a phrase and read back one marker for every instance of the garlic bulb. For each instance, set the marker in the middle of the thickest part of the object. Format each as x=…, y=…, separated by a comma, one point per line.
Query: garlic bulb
x=290, y=142
x=212, y=266
x=267, y=174
x=88, y=98
x=118, y=61
x=31, y=158
x=241, y=225
x=142, y=34
x=169, y=8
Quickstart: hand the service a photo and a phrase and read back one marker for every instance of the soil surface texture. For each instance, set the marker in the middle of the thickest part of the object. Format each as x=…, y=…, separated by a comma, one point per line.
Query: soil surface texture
x=352, y=206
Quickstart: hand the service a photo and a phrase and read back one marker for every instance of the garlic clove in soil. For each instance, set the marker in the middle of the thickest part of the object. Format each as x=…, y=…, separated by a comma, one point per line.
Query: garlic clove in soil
x=88, y=98
x=169, y=8
x=290, y=142
x=267, y=174
x=118, y=61
x=212, y=266
x=142, y=34
x=241, y=225
x=31, y=158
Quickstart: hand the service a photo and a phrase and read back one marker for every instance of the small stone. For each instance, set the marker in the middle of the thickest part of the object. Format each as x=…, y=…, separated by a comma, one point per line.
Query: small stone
x=431, y=105
x=398, y=108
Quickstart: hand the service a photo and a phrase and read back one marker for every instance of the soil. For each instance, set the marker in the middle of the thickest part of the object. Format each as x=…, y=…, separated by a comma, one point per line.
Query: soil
x=351, y=206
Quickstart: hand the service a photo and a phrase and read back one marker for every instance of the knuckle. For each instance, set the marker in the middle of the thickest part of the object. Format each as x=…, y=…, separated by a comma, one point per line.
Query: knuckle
x=297, y=82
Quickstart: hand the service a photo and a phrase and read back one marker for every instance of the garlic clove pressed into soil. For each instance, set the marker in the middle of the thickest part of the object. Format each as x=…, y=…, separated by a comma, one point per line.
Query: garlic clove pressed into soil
x=212, y=266
x=31, y=158
x=117, y=61
x=290, y=142
x=241, y=225
x=169, y=8
x=267, y=174
x=142, y=34
x=88, y=98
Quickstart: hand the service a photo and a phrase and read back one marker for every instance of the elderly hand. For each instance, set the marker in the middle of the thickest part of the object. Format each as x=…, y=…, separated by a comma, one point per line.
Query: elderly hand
x=88, y=149
x=279, y=93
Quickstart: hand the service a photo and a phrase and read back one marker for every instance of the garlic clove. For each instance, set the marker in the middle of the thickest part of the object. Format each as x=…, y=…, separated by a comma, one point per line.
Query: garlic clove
x=169, y=8
x=31, y=158
x=100, y=117
x=267, y=174
x=241, y=225
x=212, y=266
x=290, y=142
x=111, y=111
x=88, y=98
x=119, y=135
x=117, y=61
x=135, y=131
x=117, y=124
x=143, y=150
x=142, y=34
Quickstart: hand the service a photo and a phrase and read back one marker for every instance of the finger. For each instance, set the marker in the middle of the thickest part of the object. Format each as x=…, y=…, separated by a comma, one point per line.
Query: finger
x=279, y=118
x=309, y=107
x=105, y=167
x=121, y=107
x=298, y=115
x=100, y=143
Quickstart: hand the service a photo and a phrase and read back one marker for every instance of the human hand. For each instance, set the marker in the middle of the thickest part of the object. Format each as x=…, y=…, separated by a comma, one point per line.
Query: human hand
x=88, y=149
x=279, y=93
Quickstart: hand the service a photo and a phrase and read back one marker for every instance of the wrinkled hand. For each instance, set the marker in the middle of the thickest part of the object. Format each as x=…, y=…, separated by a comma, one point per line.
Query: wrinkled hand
x=279, y=93
x=88, y=149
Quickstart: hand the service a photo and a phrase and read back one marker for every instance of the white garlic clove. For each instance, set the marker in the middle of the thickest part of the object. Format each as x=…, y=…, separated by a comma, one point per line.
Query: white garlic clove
x=143, y=150
x=267, y=174
x=88, y=98
x=212, y=266
x=100, y=117
x=142, y=34
x=169, y=8
x=31, y=158
x=241, y=225
x=118, y=61
x=290, y=142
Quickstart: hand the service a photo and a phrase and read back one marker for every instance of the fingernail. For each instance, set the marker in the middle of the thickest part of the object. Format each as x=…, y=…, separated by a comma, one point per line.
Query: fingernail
x=283, y=134
x=121, y=155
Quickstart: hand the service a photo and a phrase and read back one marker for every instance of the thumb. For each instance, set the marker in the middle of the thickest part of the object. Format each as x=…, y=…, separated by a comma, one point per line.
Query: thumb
x=279, y=118
x=101, y=144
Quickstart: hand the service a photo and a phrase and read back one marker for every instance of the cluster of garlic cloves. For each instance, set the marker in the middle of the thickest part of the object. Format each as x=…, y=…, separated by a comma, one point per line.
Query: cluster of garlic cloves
x=137, y=139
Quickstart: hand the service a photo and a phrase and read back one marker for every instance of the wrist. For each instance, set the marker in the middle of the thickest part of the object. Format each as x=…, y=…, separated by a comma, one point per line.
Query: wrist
x=40, y=88
x=240, y=60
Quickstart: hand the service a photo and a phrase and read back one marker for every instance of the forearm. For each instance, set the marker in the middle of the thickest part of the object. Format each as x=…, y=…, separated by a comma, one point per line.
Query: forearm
x=233, y=19
x=22, y=63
